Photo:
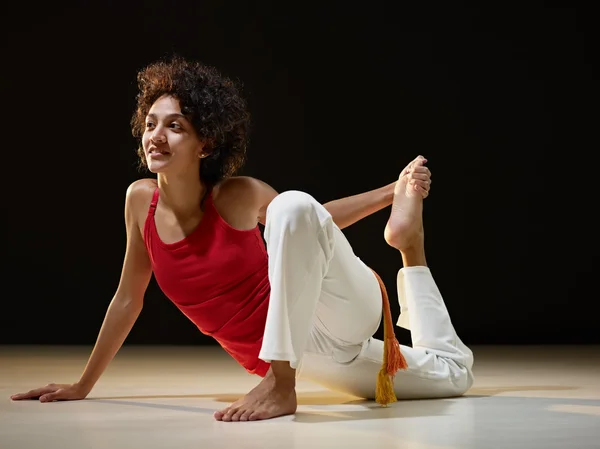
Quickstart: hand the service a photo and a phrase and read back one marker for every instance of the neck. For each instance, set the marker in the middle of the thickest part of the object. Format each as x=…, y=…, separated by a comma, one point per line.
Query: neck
x=183, y=193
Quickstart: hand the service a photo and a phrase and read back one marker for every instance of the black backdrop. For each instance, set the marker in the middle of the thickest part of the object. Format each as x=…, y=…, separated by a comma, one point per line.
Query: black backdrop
x=501, y=101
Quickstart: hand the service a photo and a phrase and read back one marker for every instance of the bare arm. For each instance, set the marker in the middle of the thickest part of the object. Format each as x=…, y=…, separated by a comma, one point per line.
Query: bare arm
x=123, y=310
x=344, y=211
x=127, y=303
x=347, y=211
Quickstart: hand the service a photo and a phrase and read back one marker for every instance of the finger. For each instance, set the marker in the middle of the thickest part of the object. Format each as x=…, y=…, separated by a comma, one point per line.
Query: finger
x=49, y=397
x=45, y=398
x=424, y=192
x=425, y=183
x=419, y=161
x=420, y=176
x=421, y=169
x=417, y=164
x=420, y=186
x=19, y=396
x=30, y=394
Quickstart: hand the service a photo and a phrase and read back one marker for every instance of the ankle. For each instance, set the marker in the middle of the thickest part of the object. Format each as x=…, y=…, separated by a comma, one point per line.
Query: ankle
x=282, y=374
x=414, y=256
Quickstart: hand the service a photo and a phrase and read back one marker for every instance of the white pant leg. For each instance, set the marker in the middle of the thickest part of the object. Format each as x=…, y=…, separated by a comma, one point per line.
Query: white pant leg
x=350, y=306
x=439, y=364
x=325, y=304
x=321, y=293
x=424, y=314
x=299, y=240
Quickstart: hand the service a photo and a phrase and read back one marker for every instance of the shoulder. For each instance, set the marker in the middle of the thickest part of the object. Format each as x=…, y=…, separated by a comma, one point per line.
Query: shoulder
x=139, y=196
x=141, y=190
x=243, y=196
x=245, y=188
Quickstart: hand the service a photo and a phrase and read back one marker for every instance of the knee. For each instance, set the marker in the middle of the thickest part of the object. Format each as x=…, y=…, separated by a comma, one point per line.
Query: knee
x=462, y=383
x=294, y=207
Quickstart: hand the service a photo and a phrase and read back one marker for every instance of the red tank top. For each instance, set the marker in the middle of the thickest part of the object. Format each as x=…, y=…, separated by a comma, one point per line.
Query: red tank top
x=218, y=277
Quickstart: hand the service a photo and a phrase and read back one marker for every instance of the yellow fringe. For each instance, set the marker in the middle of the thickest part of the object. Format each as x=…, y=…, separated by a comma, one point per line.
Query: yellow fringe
x=393, y=360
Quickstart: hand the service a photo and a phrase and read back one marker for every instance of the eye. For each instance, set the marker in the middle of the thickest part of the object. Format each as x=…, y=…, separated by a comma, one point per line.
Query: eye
x=175, y=125
x=149, y=124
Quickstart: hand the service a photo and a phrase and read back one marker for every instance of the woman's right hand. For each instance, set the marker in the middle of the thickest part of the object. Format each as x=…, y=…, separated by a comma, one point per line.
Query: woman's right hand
x=54, y=392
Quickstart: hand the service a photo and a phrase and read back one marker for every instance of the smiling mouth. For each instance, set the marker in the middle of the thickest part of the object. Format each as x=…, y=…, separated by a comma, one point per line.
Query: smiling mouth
x=158, y=153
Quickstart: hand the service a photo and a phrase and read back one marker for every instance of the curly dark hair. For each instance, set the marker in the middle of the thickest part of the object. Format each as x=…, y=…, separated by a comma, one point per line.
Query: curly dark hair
x=212, y=103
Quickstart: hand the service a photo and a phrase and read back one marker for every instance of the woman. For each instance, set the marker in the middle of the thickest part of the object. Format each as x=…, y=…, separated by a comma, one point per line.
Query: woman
x=303, y=306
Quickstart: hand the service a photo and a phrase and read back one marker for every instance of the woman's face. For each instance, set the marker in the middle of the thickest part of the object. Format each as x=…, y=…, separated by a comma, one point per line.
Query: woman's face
x=170, y=142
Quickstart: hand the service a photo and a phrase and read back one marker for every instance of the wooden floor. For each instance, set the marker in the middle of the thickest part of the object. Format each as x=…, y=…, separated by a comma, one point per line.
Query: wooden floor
x=164, y=397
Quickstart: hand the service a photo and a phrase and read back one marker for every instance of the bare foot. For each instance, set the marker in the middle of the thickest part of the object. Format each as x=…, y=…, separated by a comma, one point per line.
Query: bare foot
x=404, y=228
x=269, y=399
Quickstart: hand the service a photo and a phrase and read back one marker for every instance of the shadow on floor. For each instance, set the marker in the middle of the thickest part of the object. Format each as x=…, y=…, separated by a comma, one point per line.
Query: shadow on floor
x=314, y=400
x=304, y=398
x=368, y=409
x=333, y=398
x=493, y=391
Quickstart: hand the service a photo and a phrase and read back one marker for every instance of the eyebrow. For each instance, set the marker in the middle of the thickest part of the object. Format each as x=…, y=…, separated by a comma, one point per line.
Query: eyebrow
x=169, y=116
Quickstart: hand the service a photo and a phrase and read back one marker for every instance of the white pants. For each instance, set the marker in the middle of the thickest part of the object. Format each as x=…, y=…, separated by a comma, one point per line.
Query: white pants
x=326, y=304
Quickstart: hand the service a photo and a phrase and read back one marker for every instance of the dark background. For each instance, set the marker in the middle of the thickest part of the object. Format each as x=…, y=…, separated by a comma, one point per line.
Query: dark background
x=502, y=101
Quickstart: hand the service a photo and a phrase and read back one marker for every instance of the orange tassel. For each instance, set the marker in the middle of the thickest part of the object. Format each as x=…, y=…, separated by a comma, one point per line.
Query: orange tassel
x=393, y=360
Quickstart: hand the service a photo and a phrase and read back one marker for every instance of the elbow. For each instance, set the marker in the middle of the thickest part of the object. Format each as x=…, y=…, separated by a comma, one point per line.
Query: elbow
x=129, y=304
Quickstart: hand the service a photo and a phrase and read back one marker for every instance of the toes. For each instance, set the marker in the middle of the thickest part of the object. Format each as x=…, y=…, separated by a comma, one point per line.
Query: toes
x=246, y=415
x=237, y=414
x=233, y=414
x=227, y=416
x=219, y=415
x=227, y=413
x=259, y=415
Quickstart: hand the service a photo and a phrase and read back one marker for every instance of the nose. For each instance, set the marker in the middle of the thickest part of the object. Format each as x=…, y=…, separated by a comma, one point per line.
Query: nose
x=158, y=137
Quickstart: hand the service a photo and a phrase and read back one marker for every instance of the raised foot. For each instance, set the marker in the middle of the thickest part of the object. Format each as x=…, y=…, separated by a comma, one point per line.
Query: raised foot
x=267, y=400
x=404, y=228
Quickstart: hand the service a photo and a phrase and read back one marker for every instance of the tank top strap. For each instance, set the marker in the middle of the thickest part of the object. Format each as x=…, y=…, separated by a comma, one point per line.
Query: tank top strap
x=152, y=209
x=153, y=203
